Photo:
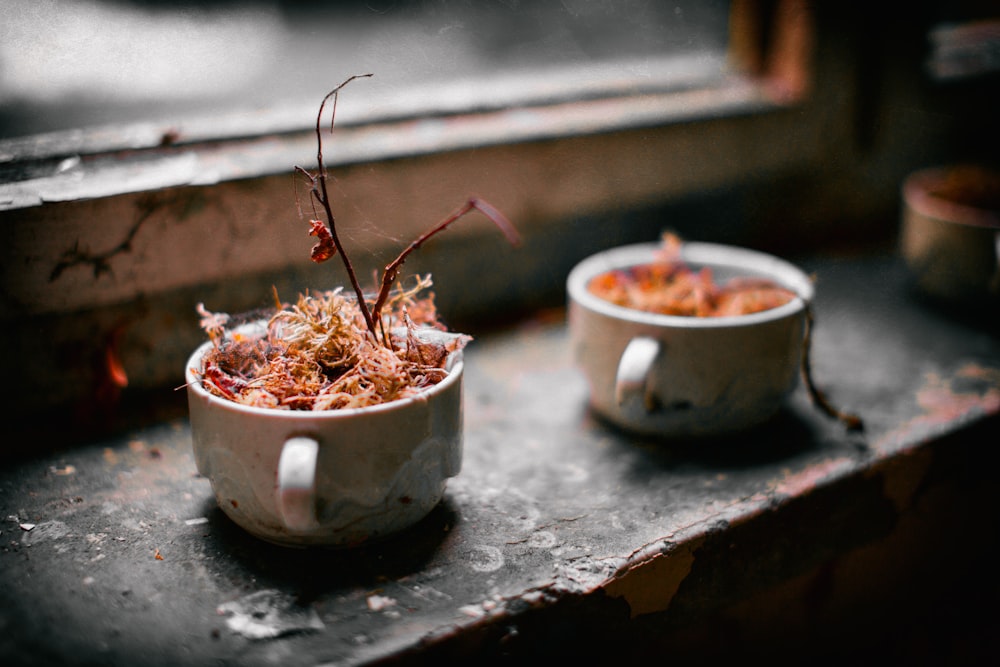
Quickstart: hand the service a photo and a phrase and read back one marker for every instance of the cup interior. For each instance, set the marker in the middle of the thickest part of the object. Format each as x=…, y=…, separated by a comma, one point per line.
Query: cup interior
x=725, y=261
x=960, y=194
x=454, y=366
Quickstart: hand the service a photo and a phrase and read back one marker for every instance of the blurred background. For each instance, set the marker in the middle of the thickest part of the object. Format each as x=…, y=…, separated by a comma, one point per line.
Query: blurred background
x=74, y=63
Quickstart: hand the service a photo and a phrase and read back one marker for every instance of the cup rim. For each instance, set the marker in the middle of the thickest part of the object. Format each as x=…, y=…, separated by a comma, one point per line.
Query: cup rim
x=713, y=255
x=919, y=196
x=455, y=365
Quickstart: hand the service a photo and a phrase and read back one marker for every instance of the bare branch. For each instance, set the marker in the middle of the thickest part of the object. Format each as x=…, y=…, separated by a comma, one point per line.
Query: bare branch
x=321, y=195
x=392, y=270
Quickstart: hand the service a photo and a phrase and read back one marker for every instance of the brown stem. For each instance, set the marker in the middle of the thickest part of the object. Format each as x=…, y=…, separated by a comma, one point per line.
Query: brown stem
x=322, y=196
x=391, y=271
x=852, y=422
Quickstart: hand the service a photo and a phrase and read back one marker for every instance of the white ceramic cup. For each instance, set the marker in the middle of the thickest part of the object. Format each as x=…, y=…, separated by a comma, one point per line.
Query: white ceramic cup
x=335, y=477
x=675, y=376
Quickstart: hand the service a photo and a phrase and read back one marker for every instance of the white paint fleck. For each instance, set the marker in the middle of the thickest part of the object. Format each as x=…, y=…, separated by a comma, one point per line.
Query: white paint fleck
x=380, y=602
x=428, y=593
x=472, y=610
x=43, y=532
x=267, y=614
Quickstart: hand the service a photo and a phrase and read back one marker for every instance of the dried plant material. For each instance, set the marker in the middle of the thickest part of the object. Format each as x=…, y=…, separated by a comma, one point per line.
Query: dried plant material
x=317, y=354
x=330, y=351
x=669, y=287
x=329, y=241
x=324, y=248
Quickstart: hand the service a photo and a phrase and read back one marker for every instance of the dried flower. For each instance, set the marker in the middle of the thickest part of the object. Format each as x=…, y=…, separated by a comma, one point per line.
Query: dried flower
x=330, y=351
x=669, y=287
x=318, y=355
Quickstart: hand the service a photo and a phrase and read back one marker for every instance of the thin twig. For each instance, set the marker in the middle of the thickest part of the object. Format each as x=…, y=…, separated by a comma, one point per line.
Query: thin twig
x=372, y=316
x=391, y=271
x=851, y=421
x=322, y=196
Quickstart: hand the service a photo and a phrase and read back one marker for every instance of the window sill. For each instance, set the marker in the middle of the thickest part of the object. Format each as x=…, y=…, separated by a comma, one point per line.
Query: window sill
x=794, y=535
x=81, y=165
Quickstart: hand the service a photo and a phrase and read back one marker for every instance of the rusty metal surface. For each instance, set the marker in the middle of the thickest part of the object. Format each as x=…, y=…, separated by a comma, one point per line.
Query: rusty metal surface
x=115, y=553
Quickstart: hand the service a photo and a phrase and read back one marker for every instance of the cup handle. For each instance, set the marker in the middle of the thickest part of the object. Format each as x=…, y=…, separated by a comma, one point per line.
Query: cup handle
x=297, y=483
x=631, y=380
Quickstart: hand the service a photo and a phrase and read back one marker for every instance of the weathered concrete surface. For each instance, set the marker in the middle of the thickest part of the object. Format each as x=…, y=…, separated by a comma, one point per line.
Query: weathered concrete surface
x=561, y=536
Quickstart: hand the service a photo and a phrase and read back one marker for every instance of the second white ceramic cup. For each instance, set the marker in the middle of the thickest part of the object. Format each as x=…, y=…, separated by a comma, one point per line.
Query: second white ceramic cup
x=676, y=376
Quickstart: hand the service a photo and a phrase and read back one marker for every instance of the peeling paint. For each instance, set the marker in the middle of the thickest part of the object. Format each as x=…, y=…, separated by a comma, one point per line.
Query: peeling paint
x=944, y=405
x=803, y=481
x=650, y=586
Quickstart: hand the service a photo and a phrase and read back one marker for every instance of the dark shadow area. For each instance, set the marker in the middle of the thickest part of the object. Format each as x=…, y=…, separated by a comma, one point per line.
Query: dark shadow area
x=314, y=571
x=939, y=612
x=786, y=435
x=64, y=428
x=982, y=314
